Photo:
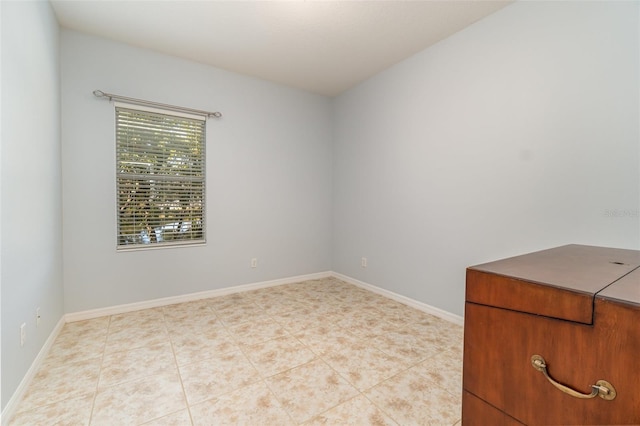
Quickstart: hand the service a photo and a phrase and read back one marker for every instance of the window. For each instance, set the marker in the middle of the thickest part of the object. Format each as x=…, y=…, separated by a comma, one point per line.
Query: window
x=160, y=159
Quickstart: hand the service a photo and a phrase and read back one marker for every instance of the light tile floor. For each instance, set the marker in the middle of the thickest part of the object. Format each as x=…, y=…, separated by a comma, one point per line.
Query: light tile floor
x=311, y=353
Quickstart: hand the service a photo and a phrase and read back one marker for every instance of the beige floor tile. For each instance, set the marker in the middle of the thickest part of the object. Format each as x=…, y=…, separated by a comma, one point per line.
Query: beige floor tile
x=444, y=368
x=139, y=401
x=231, y=301
x=300, y=319
x=427, y=330
x=71, y=380
x=189, y=310
x=272, y=307
x=78, y=341
x=296, y=288
x=410, y=399
x=179, y=418
x=280, y=355
x=275, y=291
x=411, y=347
x=127, y=338
x=458, y=351
x=310, y=389
x=365, y=324
x=435, y=335
x=137, y=319
x=197, y=324
x=193, y=347
x=190, y=316
x=320, y=332
x=93, y=329
x=241, y=314
x=341, y=309
x=253, y=405
x=320, y=293
x=354, y=296
x=358, y=319
x=217, y=375
x=330, y=313
x=451, y=337
x=358, y=411
x=69, y=350
x=364, y=307
x=407, y=316
x=267, y=296
x=121, y=367
x=208, y=325
x=251, y=333
x=364, y=366
x=326, y=339
x=374, y=330
x=277, y=355
x=71, y=412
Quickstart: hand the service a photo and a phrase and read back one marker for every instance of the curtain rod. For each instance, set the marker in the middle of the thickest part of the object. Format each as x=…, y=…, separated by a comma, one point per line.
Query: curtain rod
x=112, y=97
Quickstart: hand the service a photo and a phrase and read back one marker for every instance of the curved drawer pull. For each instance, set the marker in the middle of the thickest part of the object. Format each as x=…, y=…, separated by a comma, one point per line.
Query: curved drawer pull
x=602, y=388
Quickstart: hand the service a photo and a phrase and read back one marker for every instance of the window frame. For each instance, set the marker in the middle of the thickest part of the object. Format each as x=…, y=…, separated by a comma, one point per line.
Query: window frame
x=123, y=247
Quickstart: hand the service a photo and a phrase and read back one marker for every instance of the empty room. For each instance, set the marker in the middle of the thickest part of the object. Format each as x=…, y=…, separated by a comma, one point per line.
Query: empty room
x=319, y=212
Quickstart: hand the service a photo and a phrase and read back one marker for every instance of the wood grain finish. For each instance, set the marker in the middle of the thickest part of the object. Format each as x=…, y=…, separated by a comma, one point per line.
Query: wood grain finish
x=476, y=412
x=524, y=296
x=507, y=320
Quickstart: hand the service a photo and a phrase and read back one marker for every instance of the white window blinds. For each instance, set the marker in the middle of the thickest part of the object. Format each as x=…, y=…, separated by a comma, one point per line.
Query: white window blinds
x=160, y=178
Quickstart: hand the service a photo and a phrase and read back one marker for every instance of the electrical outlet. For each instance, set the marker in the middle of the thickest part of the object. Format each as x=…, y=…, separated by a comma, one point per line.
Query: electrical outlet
x=37, y=317
x=23, y=333
x=363, y=262
x=254, y=262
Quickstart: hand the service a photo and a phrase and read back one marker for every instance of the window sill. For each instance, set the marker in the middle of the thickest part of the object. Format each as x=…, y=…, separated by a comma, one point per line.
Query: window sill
x=145, y=247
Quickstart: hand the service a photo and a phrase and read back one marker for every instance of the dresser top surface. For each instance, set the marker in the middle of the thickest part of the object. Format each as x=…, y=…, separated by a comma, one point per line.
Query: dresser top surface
x=578, y=268
x=626, y=289
x=561, y=282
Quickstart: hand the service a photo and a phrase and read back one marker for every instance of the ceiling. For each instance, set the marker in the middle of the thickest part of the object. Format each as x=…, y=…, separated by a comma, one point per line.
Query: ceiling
x=324, y=47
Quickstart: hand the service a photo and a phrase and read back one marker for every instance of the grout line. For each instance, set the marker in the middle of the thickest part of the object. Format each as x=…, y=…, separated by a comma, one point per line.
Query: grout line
x=264, y=381
x=175, y=362
x=381, y=408
x=95, y=394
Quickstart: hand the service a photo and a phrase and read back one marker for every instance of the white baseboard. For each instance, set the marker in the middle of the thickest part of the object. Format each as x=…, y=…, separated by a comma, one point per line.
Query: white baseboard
x=12, y=405
x=154, y=303
x=440, y=313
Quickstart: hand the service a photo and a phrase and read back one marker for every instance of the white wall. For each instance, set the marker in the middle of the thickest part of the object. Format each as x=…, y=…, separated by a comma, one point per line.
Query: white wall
x=268, y=177
x=31, y=185
x=518, y=133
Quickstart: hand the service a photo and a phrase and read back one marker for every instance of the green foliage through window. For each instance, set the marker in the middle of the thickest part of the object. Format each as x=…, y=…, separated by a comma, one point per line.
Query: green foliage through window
x=160, y=178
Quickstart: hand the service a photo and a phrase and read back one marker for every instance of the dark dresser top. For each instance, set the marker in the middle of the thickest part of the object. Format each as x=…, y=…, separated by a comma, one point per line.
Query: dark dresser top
x=561, y=282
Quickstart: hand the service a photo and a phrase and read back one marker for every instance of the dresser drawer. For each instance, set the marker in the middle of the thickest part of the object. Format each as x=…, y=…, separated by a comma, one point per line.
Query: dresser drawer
x=476, y=412
x=498, y=368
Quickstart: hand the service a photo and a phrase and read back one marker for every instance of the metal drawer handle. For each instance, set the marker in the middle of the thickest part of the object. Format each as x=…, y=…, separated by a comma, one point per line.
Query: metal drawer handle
x=602, y=388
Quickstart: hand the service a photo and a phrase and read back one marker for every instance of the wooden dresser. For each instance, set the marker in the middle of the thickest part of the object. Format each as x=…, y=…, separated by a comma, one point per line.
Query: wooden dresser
x=568, y=315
